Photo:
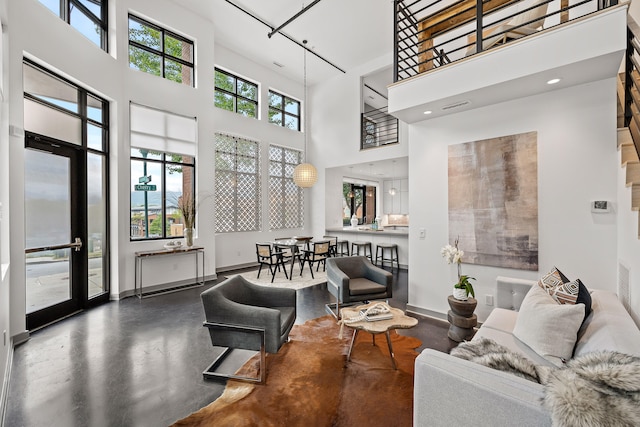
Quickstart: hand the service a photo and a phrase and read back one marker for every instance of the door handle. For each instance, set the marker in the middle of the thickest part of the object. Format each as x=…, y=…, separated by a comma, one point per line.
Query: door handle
x=76, y=245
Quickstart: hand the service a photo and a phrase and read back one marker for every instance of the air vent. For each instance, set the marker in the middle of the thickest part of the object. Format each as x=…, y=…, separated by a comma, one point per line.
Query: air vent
x=455, y=105
x=277, y=64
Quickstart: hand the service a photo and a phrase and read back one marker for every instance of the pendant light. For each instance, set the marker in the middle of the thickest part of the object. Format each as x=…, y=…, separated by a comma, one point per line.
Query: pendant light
x=393, y=190
x=369, y=188
x=305, y=174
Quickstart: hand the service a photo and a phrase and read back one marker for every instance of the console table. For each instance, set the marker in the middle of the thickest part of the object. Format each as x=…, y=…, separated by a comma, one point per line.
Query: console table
x=142, y=255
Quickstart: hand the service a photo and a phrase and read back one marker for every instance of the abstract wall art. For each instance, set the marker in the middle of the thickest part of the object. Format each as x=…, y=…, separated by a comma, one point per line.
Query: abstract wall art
x=493, y=200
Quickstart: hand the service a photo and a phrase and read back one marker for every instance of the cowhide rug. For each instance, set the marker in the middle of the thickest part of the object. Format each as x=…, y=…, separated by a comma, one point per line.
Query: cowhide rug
x=597, y=389
x=310, y=383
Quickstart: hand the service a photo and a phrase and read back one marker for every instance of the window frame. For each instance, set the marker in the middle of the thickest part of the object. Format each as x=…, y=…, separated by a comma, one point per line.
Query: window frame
x=235, y=94
x=257, y=214
x=64, y=13
x=161, y=53
x=282, y=111
x=165, y=164
x=282, y=194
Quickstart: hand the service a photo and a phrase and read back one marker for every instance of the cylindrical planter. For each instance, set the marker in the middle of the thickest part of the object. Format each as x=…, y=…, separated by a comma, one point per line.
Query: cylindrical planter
x=460, y=294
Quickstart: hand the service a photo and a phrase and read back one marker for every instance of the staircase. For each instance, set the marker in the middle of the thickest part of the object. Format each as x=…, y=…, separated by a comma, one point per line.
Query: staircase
x=628, y=153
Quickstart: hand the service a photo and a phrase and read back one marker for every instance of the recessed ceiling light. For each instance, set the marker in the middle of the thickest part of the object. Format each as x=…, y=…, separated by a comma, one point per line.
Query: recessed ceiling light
x=427, y=112
x=553, y=81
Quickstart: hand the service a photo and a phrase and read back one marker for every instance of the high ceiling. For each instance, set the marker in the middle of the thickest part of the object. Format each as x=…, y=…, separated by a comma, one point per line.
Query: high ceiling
x=346, y=33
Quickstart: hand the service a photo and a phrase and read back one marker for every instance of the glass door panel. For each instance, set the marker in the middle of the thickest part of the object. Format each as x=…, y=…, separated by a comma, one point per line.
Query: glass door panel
x=97, y=222
x=54, y=249
x=47, y=224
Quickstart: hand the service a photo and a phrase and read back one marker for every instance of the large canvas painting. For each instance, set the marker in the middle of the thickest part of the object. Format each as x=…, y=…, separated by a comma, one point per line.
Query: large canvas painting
x=493, y=201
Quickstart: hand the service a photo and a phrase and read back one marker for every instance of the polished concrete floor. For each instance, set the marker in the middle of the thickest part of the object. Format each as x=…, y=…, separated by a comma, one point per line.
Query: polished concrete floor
x=139, y=362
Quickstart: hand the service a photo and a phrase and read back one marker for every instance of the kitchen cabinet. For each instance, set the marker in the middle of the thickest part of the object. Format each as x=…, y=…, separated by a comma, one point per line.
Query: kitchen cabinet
x=397, y=204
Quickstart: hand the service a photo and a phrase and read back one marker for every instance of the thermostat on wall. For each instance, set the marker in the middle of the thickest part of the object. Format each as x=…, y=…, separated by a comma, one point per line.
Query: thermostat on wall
x=600, y=206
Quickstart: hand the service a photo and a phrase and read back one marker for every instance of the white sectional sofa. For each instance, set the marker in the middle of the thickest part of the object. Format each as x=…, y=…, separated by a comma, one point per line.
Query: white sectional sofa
x=452, y=391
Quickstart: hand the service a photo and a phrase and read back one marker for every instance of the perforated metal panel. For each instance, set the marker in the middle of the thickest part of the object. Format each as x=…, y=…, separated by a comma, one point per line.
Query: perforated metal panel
x=238, y=187
x=286, y=206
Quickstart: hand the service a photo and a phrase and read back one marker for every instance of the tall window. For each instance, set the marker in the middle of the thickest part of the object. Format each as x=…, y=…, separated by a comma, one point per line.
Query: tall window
x=160, y=52
x=238, y=191
x=163, y=147
x=285, y=197
x=284, y=111
x=233, y=93
x=87, y=16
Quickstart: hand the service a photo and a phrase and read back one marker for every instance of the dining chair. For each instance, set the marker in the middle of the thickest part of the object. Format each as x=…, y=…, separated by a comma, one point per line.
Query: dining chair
x=333, y=245
x=318, y=254
x=272, y=258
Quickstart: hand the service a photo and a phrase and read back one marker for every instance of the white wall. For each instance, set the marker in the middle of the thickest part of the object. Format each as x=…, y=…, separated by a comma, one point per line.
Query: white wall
x=577, y=163
x=237, y=249
x=62, y=49
x=335, y=132
x=5, y=277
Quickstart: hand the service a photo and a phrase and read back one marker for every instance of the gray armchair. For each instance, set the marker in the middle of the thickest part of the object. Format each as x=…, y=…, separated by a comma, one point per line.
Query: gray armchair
x=240, y=314
x=355, y=279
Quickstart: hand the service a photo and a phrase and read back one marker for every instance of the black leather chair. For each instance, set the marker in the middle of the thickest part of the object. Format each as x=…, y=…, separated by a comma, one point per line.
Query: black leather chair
x=240, y=314
x=355, y=279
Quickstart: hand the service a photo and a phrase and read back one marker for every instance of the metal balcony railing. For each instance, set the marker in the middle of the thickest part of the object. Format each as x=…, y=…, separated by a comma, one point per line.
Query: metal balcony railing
x=378, y=128
x=432, y=33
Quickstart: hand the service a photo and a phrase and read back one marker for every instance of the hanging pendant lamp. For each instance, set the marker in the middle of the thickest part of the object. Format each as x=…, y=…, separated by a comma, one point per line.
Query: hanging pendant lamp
x=305, y=174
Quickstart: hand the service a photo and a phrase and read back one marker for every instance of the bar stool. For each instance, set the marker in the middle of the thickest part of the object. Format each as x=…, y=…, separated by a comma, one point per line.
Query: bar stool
x=393, y=254
x=343, y=248
x=355, y=249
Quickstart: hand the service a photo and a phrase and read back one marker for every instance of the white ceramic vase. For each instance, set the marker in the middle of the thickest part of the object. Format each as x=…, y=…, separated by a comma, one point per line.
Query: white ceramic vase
x=460, y=294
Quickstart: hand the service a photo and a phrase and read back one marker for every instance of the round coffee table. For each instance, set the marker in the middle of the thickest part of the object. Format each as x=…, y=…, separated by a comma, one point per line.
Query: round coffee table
x=398, y=321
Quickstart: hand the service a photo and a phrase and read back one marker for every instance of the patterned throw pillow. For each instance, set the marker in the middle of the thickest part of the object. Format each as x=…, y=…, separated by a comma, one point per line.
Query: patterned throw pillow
x=564, y=291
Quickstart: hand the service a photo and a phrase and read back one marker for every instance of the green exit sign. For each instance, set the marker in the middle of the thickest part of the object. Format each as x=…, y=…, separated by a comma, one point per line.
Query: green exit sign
x=145, y=187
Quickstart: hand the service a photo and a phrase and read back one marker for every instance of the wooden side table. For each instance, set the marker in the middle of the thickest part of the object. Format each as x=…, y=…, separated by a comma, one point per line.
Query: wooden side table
x=399, y=321
x=462, y=319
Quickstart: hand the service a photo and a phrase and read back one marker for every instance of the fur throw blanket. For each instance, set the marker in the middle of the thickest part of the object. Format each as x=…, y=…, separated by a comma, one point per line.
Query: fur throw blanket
x=597, y=389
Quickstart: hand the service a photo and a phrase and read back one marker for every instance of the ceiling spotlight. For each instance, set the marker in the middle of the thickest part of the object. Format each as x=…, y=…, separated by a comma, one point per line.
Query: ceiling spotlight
x=553, y=81
x=427, y=112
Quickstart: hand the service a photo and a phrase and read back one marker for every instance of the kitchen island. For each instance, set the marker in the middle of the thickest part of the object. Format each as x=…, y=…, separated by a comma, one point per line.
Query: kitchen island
x=399, y=236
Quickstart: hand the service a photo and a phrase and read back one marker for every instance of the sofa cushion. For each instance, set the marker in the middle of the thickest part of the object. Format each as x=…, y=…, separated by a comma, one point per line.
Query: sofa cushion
x=508, y=340
x=501, y=319
x=549, y=328
x=609, y=327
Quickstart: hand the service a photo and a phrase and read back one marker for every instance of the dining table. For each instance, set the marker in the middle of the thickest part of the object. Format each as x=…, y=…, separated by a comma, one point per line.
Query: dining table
x=293, y=244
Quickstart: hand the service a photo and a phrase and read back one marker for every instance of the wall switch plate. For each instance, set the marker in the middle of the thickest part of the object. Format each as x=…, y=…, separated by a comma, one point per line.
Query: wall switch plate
x=423, y=233
x=488, y=300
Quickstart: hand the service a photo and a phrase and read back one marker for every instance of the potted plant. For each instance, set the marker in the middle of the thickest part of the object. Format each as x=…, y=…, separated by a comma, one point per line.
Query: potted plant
x=463, y=288
x=187, y=207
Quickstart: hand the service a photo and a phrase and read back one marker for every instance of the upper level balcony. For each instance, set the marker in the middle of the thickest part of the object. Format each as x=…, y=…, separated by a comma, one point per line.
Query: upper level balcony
x=447, y=61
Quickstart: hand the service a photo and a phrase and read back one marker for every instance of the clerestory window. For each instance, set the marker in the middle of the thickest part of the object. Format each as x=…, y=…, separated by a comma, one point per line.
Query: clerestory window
x=157, y=51
x=233, y=93
x=89, y=17
x=284, y=111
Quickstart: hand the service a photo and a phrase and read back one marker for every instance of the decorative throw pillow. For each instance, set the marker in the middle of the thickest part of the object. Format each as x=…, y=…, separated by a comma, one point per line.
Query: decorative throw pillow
x=552, y=280
x=549, y=328
x=565, y=291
